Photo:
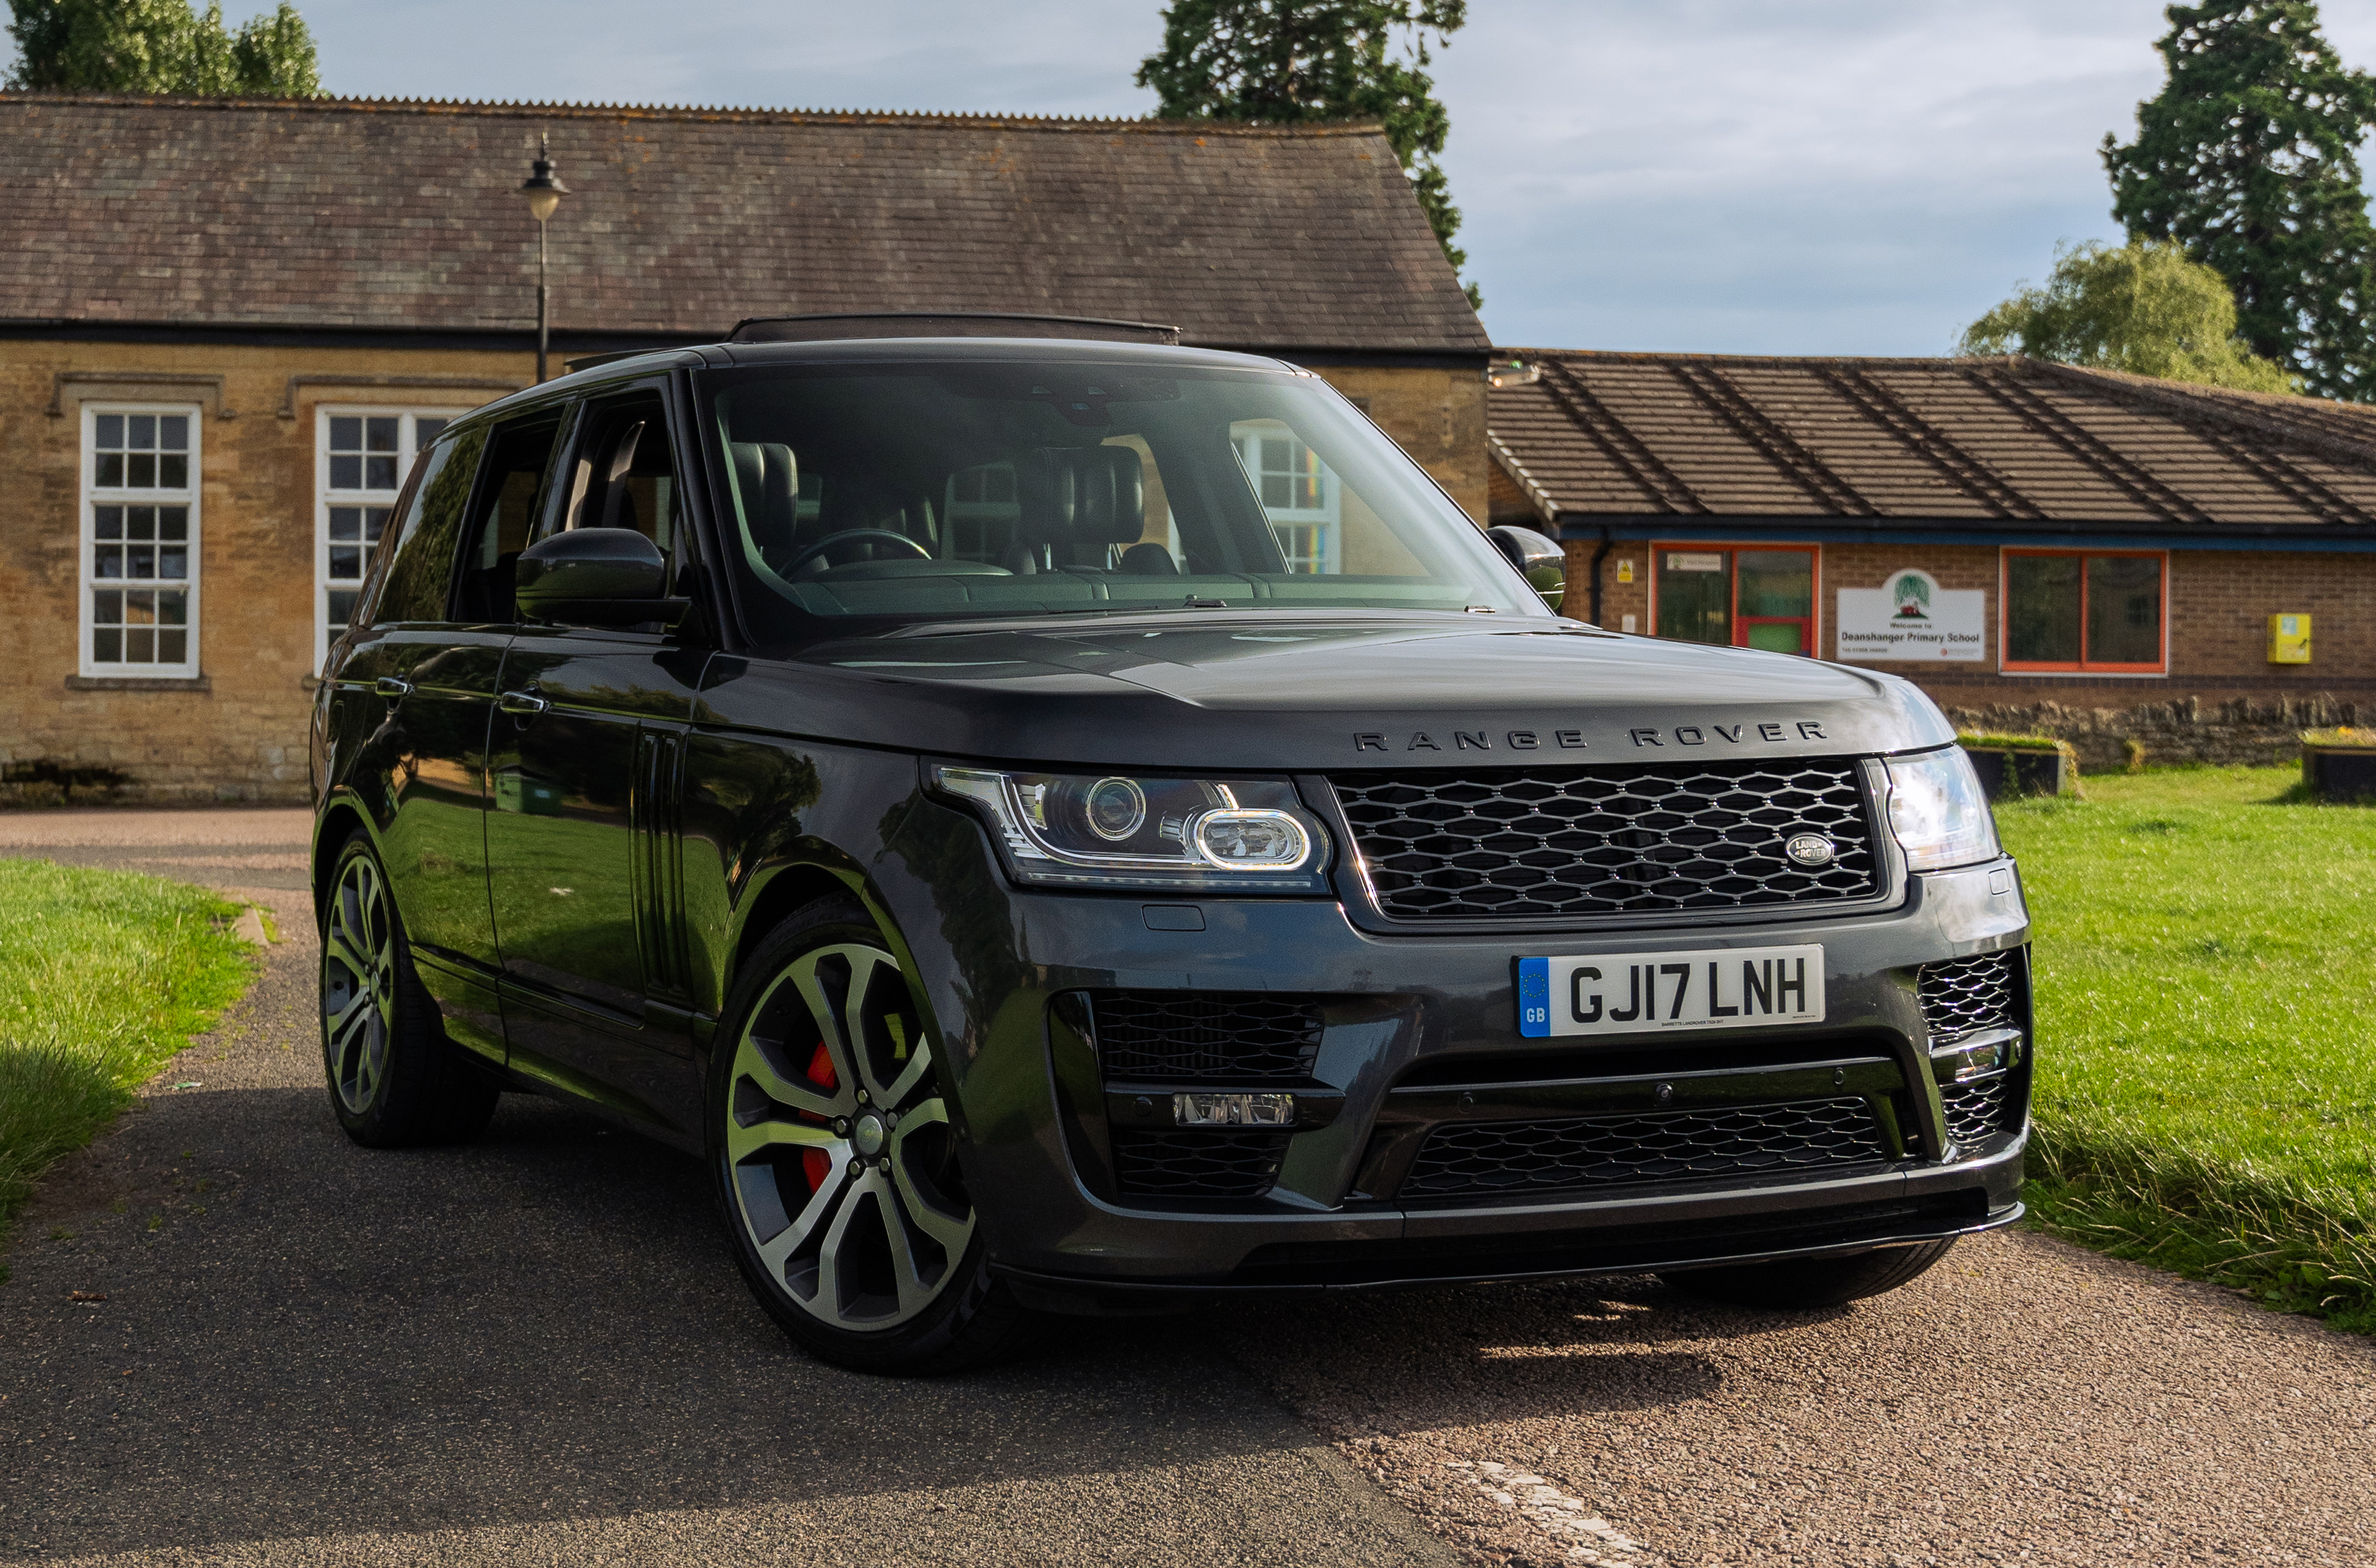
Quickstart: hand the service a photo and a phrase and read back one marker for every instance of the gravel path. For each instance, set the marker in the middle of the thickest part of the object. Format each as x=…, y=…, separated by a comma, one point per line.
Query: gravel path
x=255, y=847
x=535, y=1350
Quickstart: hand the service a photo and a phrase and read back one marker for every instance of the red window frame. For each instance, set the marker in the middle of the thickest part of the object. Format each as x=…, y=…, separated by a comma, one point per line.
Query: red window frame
x=1810, y=624
x=2085, y=666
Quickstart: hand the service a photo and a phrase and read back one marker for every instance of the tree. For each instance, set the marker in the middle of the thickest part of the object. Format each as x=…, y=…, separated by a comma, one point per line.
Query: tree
x=2144, y=308
x=159, y=46
x=2249, y=160
x=1286, y=62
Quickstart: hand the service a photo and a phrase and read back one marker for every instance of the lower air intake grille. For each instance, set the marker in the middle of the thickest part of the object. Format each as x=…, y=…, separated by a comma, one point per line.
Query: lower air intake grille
x=1462, y=1160
x=1975, y=1110
x=1960, y=995
x=1171, y=1036
x=1641, y=839
x=1197, y=1165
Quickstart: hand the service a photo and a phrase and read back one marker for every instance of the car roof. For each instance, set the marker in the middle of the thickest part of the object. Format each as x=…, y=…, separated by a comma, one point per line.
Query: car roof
x=879, y=350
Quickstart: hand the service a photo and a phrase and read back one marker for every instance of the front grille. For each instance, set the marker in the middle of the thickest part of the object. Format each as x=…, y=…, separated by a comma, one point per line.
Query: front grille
x=1185, y=1035
x=1197, y=1165
x=1646, y=839
x=1467, y=1159
x=1960, y=995
x=1975, y=1110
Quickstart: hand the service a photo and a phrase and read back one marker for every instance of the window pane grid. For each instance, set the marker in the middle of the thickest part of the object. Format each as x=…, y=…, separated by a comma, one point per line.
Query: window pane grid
x=139, y=560
x=140, y=452
x=1298, y=494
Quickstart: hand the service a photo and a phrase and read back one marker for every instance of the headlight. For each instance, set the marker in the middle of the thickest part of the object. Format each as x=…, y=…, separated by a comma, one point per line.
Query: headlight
x=1938, y=810
x=1118, y=830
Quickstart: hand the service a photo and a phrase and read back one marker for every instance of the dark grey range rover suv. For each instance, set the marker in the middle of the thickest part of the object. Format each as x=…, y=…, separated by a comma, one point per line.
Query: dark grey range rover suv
x=1062, y=824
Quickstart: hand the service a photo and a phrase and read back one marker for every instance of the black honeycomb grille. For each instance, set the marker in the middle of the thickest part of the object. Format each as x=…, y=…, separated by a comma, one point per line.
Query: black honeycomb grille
x=1463, y=1160
x=1181, y=1035
x=1500, y=844
x=1963, y=995
x=1197, y=1165
x=1975, y=1110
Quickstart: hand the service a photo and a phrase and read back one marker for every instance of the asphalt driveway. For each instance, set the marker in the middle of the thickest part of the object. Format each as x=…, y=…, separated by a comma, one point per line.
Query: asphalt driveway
x=536, y=1349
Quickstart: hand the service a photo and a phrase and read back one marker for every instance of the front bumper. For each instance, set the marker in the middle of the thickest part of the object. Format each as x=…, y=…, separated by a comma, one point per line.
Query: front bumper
x=998, y=963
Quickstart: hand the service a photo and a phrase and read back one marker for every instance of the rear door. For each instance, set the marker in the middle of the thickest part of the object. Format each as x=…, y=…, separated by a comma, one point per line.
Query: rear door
x=581, y=838
x=413, y=700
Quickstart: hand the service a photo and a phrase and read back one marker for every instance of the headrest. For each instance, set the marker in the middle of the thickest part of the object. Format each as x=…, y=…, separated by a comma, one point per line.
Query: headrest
x=767, y=483
x=1081, y=495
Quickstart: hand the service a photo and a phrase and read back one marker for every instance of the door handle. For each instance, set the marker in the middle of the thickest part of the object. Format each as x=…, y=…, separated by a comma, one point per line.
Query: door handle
x=391, y=688
x=526, y=704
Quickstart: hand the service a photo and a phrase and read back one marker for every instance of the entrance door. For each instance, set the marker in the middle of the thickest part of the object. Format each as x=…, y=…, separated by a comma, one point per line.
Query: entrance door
x=588, y=726
x=1753, y=596
x=1774, y=599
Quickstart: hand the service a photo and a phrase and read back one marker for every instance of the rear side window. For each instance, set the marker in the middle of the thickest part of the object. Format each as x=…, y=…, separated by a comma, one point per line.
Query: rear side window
x=510, y=494
x=413, y=585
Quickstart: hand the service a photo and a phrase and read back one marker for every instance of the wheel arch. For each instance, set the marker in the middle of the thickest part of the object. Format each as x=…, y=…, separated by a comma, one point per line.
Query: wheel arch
x=776, y=892
x=340, y=817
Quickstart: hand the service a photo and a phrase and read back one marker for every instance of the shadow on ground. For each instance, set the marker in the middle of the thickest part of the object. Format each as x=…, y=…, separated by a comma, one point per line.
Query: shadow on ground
x=330, y=1339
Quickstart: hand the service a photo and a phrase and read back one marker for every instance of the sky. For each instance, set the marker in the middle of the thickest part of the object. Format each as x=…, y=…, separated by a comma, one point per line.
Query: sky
x=1729, y=176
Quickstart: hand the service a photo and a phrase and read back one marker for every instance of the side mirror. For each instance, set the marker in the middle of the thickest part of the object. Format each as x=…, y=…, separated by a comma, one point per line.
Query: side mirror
x=1539, y=560
x=595, y=577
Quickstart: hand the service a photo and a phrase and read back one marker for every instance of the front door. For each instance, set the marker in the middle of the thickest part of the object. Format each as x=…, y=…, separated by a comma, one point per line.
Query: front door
x=580, y=846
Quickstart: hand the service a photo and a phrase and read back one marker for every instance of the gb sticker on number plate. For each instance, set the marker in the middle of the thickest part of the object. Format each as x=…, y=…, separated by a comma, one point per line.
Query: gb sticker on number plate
x=1628, y=993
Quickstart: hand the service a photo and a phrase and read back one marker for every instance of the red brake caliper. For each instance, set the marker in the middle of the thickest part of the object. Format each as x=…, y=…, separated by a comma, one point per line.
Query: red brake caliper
x=815, y=1164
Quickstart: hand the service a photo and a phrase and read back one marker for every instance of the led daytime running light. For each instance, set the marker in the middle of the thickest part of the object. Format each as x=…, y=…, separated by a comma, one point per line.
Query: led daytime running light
x=1147, y=831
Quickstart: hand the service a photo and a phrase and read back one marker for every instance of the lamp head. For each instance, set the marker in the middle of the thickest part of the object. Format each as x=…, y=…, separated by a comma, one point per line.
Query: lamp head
x=542, y=188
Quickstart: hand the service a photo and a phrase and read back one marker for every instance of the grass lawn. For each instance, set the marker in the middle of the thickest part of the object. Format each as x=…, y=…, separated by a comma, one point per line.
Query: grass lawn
x=103, y=976
x=2206, y=1009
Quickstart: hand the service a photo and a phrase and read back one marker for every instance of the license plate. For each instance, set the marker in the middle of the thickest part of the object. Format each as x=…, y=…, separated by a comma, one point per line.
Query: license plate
x=1731, y=988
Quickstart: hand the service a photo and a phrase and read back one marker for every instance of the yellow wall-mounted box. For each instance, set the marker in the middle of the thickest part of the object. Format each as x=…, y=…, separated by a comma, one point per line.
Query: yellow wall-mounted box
x=2290, y=639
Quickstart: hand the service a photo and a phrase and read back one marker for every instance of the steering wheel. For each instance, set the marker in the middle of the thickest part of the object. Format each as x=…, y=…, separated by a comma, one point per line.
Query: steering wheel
x=829, y=540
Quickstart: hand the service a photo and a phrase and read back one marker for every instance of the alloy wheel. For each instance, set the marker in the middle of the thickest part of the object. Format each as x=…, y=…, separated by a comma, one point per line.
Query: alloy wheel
x=358, y=984
x=840, y=1150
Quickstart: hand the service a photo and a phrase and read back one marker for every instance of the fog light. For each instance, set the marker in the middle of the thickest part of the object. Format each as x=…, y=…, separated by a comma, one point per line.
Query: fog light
x=1232, y=1109
x=1962, y=1064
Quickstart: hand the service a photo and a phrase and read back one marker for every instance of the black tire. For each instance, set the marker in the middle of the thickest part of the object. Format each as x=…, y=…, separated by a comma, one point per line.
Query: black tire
x=808, y=1165
x=1798, y=1283
x=395, y=1080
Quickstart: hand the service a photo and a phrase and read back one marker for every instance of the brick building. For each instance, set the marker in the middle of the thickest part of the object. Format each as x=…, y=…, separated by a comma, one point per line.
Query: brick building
x=226, y=325
x=2010, y=534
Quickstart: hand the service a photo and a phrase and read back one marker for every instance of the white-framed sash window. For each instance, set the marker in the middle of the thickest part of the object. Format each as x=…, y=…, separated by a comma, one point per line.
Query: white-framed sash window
x=140, y=540
x=1298, y=493
x=361, y=459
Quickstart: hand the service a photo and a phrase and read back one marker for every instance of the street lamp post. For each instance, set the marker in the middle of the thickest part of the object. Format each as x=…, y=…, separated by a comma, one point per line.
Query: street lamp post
x=544, y=192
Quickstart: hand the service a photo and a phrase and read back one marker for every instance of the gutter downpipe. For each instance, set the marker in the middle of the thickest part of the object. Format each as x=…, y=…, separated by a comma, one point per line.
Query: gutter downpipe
x=1599, y=555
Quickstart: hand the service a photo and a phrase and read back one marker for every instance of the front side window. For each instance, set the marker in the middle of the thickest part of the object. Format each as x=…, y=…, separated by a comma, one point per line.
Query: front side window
x=361, y=459
x=2067, y=609
x=623, y=475
x=140, y=542
x=1757, y=597
x=1004, y=488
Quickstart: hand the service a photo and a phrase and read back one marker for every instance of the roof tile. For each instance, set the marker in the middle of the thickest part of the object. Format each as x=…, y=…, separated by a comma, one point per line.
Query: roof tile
x=372, y=214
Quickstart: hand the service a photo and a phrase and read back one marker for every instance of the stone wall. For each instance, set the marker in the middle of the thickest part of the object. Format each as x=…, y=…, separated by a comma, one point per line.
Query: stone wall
x=236, y=731
x=1437, y=416
x=2263, y=732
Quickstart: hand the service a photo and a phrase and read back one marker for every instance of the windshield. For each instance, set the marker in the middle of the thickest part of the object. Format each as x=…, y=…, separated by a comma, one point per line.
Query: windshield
x=923, y=491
